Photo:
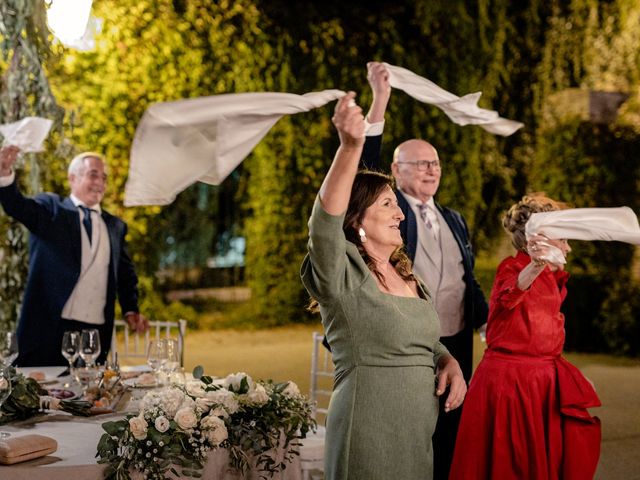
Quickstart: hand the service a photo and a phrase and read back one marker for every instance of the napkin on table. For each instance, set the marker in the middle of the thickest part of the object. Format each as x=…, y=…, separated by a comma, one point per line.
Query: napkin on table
x=25, y=447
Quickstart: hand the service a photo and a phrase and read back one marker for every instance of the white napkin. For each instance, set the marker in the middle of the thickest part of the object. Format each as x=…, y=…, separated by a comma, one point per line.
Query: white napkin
x=461, y=110
x=203, y=139
x=619, y=224
x=28, y=134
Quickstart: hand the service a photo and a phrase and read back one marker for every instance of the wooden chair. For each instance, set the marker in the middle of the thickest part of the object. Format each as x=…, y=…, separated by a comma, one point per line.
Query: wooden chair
x=135, y=345
x=322, y=372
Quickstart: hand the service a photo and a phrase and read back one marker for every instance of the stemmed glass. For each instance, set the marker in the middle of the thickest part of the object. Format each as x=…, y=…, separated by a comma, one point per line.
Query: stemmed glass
x=8, y=348
x=5, y=389
x=157, y=356
x=71, y=348
x=89, y=351
x=172, y=364
x=89, y=346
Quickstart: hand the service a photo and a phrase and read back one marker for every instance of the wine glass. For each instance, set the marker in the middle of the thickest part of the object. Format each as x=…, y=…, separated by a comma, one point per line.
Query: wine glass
x=8, y=348
x=5, y=390
x=157, y=356
x=89, y=346
x=71, y=348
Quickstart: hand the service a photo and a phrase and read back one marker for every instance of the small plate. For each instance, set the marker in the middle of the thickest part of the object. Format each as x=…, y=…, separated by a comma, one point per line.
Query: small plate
x=62, y=394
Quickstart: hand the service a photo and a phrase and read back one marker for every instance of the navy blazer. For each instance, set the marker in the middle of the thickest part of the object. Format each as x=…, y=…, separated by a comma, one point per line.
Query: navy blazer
x=475, y=305
x=55, y=257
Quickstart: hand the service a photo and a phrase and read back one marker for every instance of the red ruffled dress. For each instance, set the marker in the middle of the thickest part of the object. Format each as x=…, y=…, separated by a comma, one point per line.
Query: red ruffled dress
x=525, y=415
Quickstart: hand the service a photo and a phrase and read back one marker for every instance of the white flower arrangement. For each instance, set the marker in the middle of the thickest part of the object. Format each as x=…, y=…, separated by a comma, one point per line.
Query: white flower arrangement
x=177, y=426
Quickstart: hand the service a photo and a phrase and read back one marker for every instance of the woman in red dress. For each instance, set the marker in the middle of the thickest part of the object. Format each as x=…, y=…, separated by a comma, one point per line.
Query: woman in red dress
x=525, y=415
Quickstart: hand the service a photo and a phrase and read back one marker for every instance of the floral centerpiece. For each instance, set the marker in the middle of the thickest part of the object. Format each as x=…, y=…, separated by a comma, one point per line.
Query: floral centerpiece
x=28, y=399
x=176, y=427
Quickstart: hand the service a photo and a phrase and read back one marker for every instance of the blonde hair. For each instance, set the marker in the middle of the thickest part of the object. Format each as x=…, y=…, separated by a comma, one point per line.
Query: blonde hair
x=517, y=216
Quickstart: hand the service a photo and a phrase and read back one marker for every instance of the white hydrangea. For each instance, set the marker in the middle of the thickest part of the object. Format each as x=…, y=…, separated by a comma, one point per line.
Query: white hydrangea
x=171, y=401
x=224, y=398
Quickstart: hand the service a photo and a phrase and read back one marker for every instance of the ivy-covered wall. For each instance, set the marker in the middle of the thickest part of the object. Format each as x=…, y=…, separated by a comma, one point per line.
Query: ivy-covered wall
x=532, y=60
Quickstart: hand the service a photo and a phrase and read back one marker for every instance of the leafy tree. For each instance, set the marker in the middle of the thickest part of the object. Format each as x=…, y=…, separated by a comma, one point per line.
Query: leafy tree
x=24, y=91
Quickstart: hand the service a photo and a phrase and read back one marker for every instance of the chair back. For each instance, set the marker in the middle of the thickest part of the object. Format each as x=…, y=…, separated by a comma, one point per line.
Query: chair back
x=322, y=373
x=135, y=345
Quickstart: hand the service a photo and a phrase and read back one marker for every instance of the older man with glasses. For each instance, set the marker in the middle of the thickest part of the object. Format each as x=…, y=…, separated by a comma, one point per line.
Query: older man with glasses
x=437, y=241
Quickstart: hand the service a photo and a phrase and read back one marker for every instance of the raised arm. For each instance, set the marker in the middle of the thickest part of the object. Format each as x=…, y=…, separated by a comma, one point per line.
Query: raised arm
x=378, y=78
x=336, y=187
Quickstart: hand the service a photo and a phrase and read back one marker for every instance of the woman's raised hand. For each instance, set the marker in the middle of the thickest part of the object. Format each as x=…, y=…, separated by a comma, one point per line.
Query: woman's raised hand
x=349, y=122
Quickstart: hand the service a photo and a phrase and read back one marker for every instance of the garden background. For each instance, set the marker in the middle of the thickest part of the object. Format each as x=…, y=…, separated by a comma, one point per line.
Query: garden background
x=570, y=70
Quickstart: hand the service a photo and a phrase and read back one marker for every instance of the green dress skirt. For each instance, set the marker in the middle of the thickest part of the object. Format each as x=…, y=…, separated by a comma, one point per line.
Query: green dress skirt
x=383, y=409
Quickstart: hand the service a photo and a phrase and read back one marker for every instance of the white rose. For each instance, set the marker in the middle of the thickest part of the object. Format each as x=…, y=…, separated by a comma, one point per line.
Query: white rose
x=219, y=412
x=235, y=379
x=259, y=396
x=215, y=429
x=195, y=388
x=186, y=418
x=138, y=427
x=203, y=404
x=162, y=424
x=291, y=390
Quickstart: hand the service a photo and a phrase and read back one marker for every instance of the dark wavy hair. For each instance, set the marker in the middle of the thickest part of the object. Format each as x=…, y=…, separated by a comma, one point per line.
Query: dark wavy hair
x=367, y=187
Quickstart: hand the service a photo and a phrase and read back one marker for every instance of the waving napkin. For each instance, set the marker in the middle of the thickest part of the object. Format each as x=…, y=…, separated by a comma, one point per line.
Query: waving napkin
x=619, y=224
x=461, y=110
x=28, y=134
x=204, y=139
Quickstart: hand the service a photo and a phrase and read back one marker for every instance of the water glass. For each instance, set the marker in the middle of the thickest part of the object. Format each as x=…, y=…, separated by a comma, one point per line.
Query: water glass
x=5, y=390
x=173, y=355
x=8, y=348
x=157, y=356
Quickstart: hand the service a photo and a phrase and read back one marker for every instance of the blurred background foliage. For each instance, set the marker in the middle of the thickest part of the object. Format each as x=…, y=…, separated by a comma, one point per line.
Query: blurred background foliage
x=541, y=62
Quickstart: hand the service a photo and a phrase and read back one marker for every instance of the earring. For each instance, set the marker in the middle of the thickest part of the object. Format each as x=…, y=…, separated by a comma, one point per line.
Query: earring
x=363, y=235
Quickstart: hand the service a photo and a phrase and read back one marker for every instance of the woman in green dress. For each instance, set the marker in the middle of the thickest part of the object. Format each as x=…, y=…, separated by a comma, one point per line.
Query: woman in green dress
x=378, y=319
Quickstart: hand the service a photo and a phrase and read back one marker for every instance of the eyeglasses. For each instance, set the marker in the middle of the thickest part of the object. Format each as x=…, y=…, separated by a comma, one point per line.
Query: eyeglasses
x=424, y=165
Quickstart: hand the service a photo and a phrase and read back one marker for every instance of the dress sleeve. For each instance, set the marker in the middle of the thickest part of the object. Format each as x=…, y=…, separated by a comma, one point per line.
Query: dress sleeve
x=505, y=288
x=438, y=351
x=326, y=271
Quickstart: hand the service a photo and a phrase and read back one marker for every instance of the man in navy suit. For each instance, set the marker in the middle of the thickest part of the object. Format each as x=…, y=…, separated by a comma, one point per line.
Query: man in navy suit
x=437, y=241
x=78, y=262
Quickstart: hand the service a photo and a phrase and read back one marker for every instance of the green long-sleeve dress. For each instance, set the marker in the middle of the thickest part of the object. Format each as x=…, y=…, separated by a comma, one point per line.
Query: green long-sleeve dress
x=383, y=409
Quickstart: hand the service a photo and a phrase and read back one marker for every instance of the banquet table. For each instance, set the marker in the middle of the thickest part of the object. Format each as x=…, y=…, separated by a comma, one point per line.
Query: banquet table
x=78, y=438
